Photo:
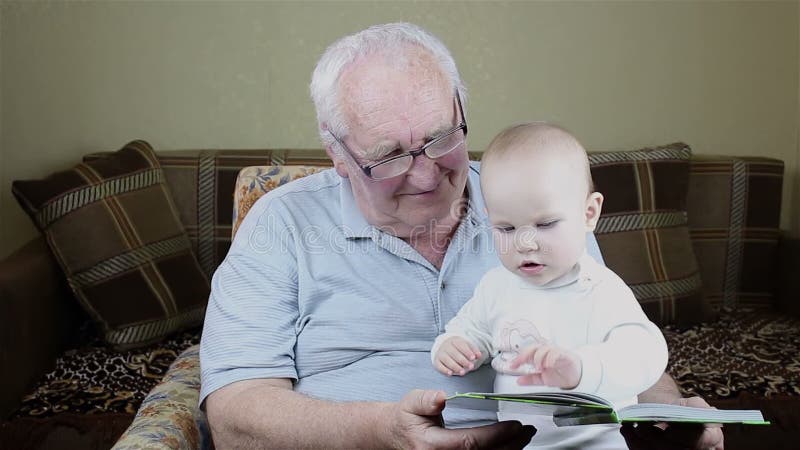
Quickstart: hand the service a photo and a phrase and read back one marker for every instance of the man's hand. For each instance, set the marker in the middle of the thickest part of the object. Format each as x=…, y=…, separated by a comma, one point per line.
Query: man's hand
x=553, y=366
x=664, y=436
x=456, y=356
x=418, y=424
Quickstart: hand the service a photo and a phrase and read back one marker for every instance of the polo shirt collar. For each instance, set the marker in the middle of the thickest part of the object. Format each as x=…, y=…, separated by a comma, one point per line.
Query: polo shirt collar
x=354, y=224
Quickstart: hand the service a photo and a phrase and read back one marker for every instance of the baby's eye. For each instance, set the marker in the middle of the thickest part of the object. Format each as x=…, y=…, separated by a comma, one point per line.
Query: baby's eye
x=504, y=228
x=547, y=224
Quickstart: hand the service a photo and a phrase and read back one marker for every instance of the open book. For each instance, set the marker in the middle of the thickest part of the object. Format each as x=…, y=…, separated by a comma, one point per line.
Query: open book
x=577, y=408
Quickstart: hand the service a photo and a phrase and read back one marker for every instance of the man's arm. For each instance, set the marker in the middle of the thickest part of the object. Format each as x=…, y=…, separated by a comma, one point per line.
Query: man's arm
x=673, y=436
x=664, y=391
x=267, y=413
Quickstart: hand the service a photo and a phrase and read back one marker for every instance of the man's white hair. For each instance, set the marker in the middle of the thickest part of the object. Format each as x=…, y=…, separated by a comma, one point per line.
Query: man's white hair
x=377, y=39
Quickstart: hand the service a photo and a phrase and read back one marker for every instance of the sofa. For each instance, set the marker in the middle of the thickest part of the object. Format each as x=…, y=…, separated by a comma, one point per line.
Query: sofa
x=720, y=282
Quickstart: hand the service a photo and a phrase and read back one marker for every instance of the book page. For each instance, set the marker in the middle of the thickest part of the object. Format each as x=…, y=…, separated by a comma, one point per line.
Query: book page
x=658, y=412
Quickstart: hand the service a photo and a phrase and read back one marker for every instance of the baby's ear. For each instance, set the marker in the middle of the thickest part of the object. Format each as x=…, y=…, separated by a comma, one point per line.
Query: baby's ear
x=594, y=206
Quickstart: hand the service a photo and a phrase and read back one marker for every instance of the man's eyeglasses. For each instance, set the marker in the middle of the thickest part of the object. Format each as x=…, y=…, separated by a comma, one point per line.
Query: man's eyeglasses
x=399, y=164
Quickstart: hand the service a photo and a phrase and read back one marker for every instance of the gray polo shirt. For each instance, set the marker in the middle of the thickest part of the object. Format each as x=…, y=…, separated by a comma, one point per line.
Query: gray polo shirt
x=310, y=291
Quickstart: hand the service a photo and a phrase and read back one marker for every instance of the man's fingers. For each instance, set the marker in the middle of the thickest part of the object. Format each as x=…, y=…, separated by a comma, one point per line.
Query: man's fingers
x=502, y=435
x=643, y=436
x=423, y=402
x=675, y=436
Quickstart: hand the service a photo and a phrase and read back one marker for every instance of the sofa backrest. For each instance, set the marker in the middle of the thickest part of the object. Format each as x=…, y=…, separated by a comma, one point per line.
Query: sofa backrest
x=733, y=210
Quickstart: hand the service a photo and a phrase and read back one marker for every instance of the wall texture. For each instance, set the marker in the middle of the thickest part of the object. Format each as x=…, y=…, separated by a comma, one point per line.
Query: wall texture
x=77, y=77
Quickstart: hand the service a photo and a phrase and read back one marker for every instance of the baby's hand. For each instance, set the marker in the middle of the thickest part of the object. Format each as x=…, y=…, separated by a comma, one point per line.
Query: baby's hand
x=456, y=356
x=554, y=366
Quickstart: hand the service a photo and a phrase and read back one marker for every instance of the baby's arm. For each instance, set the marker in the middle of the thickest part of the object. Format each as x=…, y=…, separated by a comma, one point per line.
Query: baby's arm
x=629, y=354
x=456, y=356
x=466, y=342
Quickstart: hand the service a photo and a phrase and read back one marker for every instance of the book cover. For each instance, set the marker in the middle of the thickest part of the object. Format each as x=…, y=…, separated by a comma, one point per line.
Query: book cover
x=578, y=408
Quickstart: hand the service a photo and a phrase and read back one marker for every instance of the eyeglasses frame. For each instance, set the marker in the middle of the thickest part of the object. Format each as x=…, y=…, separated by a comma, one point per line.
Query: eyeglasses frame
x=462, y=125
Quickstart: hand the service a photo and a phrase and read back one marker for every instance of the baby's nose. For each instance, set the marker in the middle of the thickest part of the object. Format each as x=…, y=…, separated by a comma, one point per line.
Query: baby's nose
x=526, y=239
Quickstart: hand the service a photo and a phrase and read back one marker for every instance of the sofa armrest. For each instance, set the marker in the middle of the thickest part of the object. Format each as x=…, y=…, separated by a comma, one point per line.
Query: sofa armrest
x=170, y=417
x=788, y=275
x=39, y=318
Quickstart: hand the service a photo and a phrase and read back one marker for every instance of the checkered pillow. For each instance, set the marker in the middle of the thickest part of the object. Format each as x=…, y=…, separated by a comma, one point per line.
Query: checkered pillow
x=643, y=232
x=112, y=227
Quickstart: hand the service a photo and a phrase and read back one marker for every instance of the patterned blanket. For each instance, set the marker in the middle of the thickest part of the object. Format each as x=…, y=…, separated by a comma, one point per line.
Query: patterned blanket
x=744, y=351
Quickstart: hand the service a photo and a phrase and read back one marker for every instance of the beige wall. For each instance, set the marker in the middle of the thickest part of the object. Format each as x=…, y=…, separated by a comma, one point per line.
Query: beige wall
x=80, y=77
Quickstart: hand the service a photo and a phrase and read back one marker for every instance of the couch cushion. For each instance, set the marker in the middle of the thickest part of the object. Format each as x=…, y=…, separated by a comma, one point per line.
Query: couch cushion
x=255, y=181
x=643, y=231
x=113, y=229
x=747, y=350
x=94, y=379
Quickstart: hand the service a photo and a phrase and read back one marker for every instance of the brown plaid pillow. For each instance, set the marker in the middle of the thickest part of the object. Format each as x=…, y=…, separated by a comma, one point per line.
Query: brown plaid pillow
x=113, y=228
x=643, y=232
x=734, y=206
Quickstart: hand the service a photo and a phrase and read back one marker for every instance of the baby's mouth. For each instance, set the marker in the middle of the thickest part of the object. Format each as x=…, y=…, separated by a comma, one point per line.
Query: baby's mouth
x=530, y=267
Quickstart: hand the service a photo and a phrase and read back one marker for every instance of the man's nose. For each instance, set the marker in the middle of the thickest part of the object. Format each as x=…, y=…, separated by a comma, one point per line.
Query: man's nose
x=424, y=171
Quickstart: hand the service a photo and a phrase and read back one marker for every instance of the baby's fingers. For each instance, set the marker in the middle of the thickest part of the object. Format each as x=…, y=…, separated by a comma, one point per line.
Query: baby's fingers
x=540, y=356
x=467, y=349
x=525, y=356
x=457, y=361
x=530, y=379
x=448, y=366
x=552, y=359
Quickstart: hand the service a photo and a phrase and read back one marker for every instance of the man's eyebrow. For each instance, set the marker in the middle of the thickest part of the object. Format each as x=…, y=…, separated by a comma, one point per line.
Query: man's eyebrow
x=436, y=132
x=380, y=150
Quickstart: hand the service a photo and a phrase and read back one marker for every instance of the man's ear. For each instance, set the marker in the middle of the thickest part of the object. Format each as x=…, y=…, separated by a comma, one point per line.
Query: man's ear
x=594, y=206
x=338, y=163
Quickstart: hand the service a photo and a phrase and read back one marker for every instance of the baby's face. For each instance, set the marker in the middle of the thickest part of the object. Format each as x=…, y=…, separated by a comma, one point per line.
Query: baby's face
x=540, y=211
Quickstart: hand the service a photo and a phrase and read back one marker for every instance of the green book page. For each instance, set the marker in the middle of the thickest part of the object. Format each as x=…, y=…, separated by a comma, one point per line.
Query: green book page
x=556, y=404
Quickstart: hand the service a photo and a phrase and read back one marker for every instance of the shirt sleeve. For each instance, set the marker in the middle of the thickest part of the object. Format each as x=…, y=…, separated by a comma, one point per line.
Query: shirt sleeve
x=631, y=353
x=249, y=330
x=472, y=321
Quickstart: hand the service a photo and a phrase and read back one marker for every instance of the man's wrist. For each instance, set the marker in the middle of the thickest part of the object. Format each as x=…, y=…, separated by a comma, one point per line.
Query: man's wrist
x=382, y=424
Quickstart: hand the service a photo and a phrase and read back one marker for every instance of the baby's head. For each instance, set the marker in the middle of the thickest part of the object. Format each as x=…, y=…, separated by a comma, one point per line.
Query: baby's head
x=539, y=195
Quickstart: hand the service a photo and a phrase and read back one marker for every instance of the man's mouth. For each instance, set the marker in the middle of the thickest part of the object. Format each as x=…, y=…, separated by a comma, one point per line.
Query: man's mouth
x=422, y=193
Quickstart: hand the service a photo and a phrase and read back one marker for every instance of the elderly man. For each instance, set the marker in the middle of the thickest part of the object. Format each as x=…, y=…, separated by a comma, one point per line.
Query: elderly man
x=323, y=313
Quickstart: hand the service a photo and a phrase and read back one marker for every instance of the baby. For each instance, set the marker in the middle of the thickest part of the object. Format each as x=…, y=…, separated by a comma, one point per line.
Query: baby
x=551, y=317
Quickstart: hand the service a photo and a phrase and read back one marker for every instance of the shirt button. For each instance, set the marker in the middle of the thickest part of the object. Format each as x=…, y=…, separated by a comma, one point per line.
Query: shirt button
x=443, y=285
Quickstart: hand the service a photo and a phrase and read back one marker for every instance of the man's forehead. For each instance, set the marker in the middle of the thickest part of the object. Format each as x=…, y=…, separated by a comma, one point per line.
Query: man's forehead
x=376, y=89
x=408, y=77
